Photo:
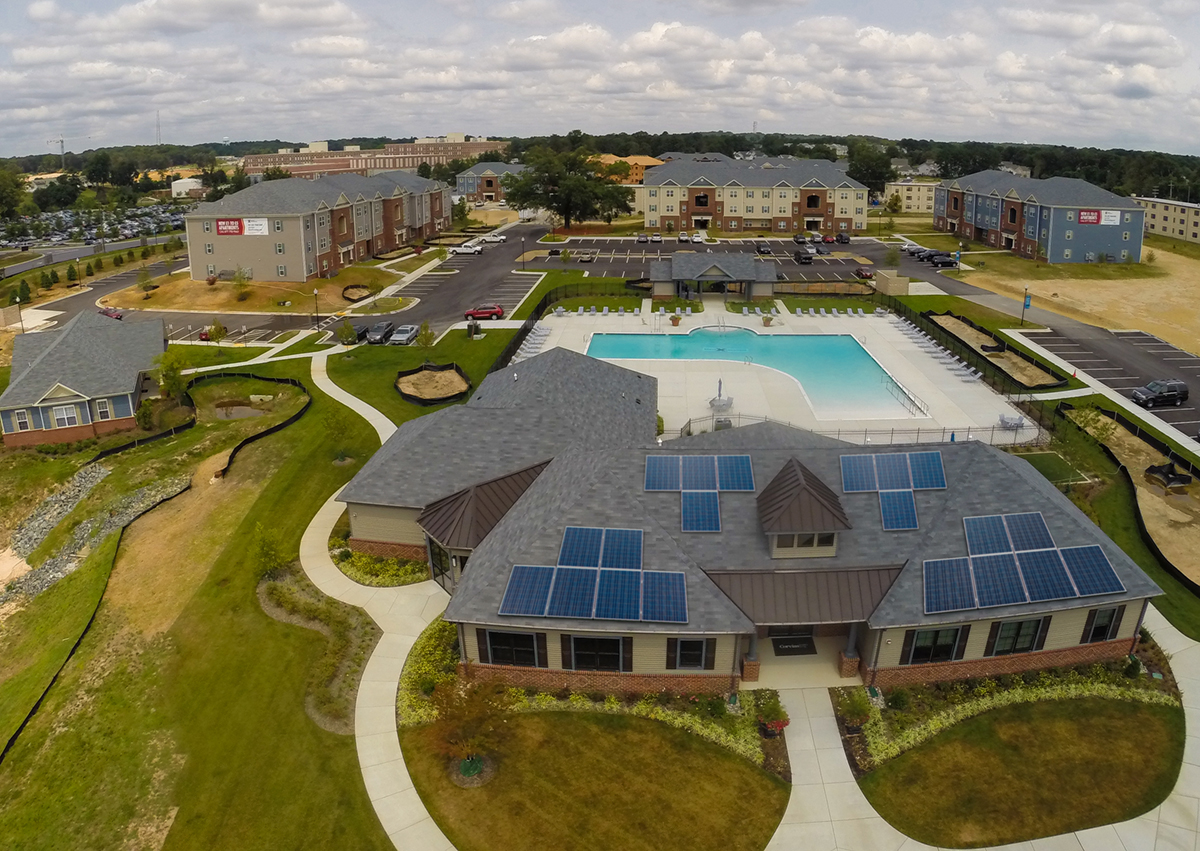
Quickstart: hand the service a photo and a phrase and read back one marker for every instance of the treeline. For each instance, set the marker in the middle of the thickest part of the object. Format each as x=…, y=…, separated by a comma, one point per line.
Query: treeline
x=652, y=144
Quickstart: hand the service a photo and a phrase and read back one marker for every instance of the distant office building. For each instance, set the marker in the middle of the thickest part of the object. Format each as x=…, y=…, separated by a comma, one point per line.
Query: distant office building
x=915, y=196
x=316, y=158
x=1064, y=219
x=637, y=165
x=481, y=182
x=187, y=187
x=295, y=230
x=1176, y=219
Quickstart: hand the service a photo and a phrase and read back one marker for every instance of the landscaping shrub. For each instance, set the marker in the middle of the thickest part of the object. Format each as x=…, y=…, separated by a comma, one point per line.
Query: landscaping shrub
x=432, y=660
x=89, y=271
x=379, y=572
x=144, y=416
x=99, y=263
x=855, y=707
x=54, y=279
x=898, y=700
x=771, y=713
x=118, y=260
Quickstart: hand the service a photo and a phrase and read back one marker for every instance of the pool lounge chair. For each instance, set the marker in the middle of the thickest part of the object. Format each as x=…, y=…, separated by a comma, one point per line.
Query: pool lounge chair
x=678, y=312
x=824, y=315
x=860, y=313
x=758, y=311
x=835, y=313
x=745, y=311
x=812, y=311
x=592, y=312
x=799, y=312
x=637, y=311
x=687, y=311
x=774, y=311
x=662, y=311
x=605, y=312
x=620, y=311
x=580, y=311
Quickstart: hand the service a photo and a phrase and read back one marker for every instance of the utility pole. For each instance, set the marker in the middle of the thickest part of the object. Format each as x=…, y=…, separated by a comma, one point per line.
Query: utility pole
x=62, y=148
x=157, y=127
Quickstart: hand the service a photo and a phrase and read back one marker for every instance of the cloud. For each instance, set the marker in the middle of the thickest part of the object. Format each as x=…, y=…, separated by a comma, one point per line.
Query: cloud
x=330, y=45
x=43, y=10
x=1049, y=23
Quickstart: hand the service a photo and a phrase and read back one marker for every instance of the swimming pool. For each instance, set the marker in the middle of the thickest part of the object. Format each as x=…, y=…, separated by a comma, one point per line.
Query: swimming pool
x=837, y=375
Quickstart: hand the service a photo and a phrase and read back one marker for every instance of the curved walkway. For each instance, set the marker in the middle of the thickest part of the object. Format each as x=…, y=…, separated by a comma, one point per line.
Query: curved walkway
x=382, y=425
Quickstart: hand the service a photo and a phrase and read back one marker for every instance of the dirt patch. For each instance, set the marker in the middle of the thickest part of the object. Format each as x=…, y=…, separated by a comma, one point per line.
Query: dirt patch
x=12, y=566
x=433, y=385
x=1010, y=362
x=6, y=346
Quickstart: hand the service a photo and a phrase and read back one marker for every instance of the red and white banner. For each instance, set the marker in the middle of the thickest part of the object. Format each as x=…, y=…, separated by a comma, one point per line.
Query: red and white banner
x=1089, y=217
x=229, y=227
x=1099, y=217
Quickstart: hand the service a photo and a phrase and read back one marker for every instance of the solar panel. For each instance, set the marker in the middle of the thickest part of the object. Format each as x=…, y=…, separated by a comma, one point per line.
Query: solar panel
x=664, y=597
x=1045, y=576
x=622, y=549
x=986, y=535
x=528, y=588
x=619, y=595
x=1028, y=531
x=701, y=511
x=580, y=547
x=899, y=510
x=948, y=586
x=662, y=472
x=927, y=470
x=1092, y=571
x=858, y=474
x=997, y=580
x=573, y=594
x=734, y=473
x=891, y=472
x=699, y=473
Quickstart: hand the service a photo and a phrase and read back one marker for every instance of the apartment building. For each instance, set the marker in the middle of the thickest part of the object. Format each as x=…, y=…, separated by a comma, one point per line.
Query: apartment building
x=778, y=195
x=295, y=229
x=316, y=158
x=637, y=166
x=915, y=196
x=1167, y=217
x=482, y=181
x=1062, y=219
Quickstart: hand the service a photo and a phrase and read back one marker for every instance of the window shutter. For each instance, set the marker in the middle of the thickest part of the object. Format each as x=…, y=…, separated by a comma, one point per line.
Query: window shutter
x=1043, y=628
x=568, y=663
x=710, y=654
x=1116, y=624
x=906, y=649
x=627, y=654
x=961, y=648
x=481, y=638
x=1087, y=627
x=993, y=633
x=672, y=653
x=542, y=658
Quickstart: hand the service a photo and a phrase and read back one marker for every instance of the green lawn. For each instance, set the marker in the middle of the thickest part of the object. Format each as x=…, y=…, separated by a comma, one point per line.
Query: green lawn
x=1053, y=466
x=411, y=264
x=1010, y=265
x=369, y=372
x=208, y=717
x=210, y=355
x=791, y=302
x=387, y=304
x=985, y=317
x=1033, y=770
x=364, y=276
x=305, y=346
x=5, y=376
x=577, y=780
x=33, y=276
x=18, y=257
x=612, y=302
x=1154, y=242
x=563, y=277
x=38, y=637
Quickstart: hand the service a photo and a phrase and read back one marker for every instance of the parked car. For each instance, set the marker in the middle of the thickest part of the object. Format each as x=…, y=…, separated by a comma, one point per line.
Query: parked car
x=478, y=203
x=810, y=249
x=111, y=311
x=828, y=238
x=485, y=311
x=814, y=238
x=1165, y=391
x=380, y=332
x=494, y=237
x=762, y=248
x=404, y=335
x=818, y=249
x=503, y=203
x=863, y=273
x=913, y=249
x=697, y=238
x=842, y=239
x=586, y=256
x=928, y=253
x=798, y=238
x=656, y=237
x=360, y=331
x=643, y=238
x=944, y=261
x=683, y=236
x=803, y=258
x=466, y=248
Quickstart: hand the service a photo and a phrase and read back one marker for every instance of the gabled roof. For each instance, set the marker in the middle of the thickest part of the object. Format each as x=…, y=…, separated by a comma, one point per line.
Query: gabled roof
x=684, y=266
x=297, y=195
x=1051, y=191
x=91, y=355
x=789, y=173
x=462, y=520
x=797, y=501
x=493, y=168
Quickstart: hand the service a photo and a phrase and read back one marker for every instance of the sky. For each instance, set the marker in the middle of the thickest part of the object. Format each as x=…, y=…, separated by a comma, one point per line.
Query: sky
x=1076, y=72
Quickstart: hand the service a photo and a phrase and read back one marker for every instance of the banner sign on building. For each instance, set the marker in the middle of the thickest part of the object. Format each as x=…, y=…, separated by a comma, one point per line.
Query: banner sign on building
x=1099, y=217
x=229, y=227
x=254, y=227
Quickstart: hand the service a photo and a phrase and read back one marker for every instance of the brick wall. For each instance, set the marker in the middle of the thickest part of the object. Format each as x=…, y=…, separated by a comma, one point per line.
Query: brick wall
x=35, y=437
x=387, y=549
x=117, y=424
x=996, y=665
x=549, y=679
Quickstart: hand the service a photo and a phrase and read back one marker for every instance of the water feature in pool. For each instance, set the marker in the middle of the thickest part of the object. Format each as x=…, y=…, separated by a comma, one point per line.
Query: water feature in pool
x=838, y=376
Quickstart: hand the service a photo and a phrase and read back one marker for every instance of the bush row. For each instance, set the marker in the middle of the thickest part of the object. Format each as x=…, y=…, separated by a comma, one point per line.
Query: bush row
x=432, y=660
x=377, y=571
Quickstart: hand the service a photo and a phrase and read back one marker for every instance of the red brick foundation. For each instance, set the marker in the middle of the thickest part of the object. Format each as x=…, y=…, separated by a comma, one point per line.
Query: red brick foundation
x=39, y=437
x=750, y=669
x=997, y=665
x=388, y=549
x=847, y=665
x=549, y=679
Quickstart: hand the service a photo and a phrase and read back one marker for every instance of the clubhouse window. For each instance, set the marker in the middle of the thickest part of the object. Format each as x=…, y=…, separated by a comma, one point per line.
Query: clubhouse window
x=1016, y=637
x=596, y=654
x=512, y=648
x=933, y=645
x=690, y=653
x=65, y=416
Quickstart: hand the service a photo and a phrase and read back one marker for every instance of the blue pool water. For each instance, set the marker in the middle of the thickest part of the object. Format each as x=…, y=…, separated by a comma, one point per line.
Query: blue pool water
x=839, y=377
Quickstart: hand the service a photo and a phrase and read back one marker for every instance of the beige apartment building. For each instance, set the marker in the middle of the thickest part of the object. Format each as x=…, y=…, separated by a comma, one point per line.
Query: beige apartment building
x=1176, y=219
x=915, y=196
x=637, y=166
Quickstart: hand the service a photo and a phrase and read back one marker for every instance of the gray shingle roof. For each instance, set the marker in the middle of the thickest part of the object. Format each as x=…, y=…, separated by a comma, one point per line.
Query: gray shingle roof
x=789, y=173
x=495, y=168
x=1050, y=191
x=296, y=195
x=91, y=354
x=684, y=266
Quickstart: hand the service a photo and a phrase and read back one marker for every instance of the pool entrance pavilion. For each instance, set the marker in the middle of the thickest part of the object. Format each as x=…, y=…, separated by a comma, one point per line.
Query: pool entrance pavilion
x=685, y=275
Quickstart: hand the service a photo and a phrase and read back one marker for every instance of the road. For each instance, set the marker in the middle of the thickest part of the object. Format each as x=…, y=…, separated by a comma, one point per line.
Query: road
x=62, y=253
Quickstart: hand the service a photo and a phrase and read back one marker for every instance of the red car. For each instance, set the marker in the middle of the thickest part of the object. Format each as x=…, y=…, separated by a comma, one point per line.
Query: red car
x=828, y=238
x=485, y=311
x=864, y=273
x=111, y=312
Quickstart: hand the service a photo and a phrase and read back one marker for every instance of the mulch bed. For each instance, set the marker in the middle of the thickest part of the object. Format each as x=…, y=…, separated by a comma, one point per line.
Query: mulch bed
x=486, y=774
x=775, y=758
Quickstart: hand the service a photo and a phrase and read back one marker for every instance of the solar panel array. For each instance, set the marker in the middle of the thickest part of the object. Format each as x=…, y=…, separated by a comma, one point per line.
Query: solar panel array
x=893, y=471
x=590, y=546
x=898, y=510
x=701, y=511
x=1013, y=560
x=699, y=473
x=596, y=593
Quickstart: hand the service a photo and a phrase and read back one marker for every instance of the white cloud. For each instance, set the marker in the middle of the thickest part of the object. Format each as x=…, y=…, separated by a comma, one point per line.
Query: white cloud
x=330, y=45
x=43, y=10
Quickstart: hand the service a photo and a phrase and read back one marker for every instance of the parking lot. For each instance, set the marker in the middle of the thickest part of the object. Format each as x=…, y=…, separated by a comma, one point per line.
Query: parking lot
x=1126, y=360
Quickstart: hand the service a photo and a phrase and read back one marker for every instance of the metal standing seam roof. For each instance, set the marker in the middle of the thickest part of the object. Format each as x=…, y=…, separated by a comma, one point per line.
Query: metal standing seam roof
x=712, y=267
x=92, y=355
x=797, y=501
x=807, y=596
x=462, y=520
x=1050, y=191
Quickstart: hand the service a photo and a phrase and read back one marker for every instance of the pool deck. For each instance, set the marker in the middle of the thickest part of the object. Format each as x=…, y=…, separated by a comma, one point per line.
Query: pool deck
x=969, y=409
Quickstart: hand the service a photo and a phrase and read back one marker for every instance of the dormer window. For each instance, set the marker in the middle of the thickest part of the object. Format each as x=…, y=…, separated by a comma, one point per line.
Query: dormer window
x=805, y=545
x=800, y=514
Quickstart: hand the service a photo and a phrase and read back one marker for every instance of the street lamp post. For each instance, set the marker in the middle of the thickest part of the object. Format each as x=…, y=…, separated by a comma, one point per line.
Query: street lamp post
x=522, y=254
x=1024, y=304
x=20, y=318
x=316, y=307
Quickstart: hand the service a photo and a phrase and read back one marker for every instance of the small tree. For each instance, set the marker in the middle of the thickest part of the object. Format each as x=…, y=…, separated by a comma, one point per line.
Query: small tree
x=23, y=291
x=241, y=284
x=129, y=255
x=54, y=279
x=346, y=334
x=218, y=332
x=425, y=337
x=894, y=204
x=146, y=252
x=89, y=271
x=891, y=257
x=890, y=225
x=566, y=255
x=267, y=551
x=170, y=374
x=144, y=281
x=118, y=260
x=45, y=282
x=144, y=416
x=1151, y=258
x=99, y=264
x=72, y=273
x=469, y=717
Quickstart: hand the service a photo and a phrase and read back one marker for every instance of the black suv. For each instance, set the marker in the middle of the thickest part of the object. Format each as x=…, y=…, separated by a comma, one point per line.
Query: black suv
x=843, y=238
x=1165, y=391
x=763, y=248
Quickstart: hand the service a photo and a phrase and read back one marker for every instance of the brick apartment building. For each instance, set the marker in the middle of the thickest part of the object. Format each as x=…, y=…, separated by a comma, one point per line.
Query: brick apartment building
x=317, y=159
x=482, y=182
x=295, y=229
x=1167, y=217
x=701, y=191
x=1064, y=219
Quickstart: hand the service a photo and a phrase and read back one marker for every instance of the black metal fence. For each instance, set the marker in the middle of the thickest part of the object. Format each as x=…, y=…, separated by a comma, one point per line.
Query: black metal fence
x=1139, y=431
x=994, y=435
x=1060, y=380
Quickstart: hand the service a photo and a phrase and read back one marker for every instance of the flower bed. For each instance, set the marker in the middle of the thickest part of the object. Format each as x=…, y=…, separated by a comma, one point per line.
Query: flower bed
x=377, y=571
x=433, y=660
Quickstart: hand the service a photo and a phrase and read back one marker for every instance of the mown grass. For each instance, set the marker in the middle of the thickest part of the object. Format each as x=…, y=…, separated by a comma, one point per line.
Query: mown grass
x=64, y=287
x=369, y=372
x=1020, y=268
x=210, y=717
x=1034, y=770
x=305, y=346
x=612, y=302
x=561, y=277
x=660, y=787
x=1155, y=242
x=18, y=257
x=1053, y=466
x=37, y=638
x=791, y=302
x=213, y=355
x=5, y=377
